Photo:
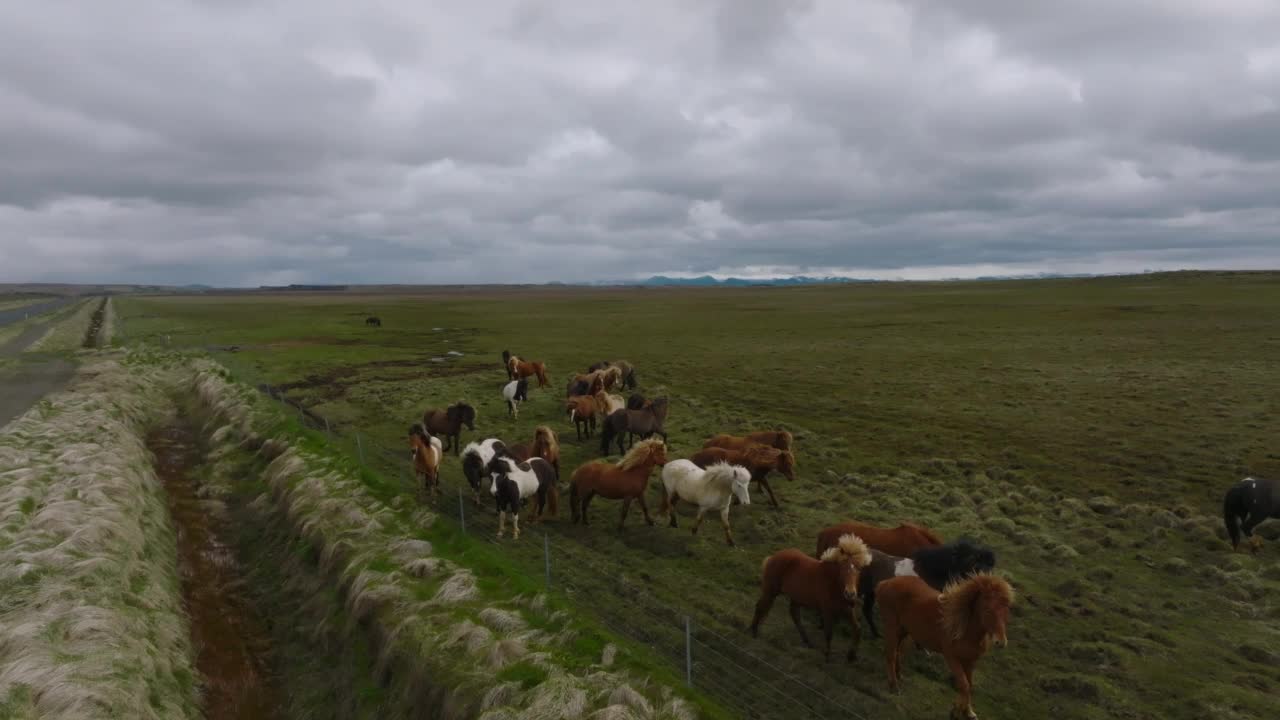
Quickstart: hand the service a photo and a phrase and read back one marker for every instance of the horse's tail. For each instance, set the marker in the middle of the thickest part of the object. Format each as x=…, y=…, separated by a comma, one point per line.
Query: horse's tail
x=1231, y=515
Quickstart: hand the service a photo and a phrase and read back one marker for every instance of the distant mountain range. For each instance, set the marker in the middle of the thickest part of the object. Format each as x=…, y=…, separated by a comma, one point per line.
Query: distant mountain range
x=708, y=281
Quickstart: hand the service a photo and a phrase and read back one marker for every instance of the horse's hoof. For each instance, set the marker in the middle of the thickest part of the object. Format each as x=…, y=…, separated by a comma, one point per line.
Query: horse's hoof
x=1255, y=543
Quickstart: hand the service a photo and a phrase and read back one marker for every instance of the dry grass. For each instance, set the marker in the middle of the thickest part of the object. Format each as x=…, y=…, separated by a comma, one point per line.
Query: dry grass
x=90, y=619
x=67, y=334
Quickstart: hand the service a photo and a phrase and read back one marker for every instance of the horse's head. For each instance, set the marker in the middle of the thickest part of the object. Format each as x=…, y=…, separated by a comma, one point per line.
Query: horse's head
x=462, y=413
x=658, y=453
x=787, y=464
x=849, y=555
x=993, y=608
x=741, y=484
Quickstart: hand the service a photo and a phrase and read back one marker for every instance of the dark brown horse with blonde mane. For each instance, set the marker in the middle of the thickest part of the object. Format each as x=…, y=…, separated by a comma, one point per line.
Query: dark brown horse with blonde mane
x=780, y=439
x=545, y=445
x=760, y=460
x=902, y=541
x=961, y=624
x=828, y=585
x=523, y=369
x=624, y=481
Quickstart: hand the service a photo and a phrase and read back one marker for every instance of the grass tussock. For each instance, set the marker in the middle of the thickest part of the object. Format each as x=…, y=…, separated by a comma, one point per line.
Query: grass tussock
x=67, y=333
x=91, y=623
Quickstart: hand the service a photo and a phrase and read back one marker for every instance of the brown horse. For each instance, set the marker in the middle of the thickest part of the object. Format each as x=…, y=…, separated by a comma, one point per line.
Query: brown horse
x=547, y=446
x=780, y=439
x=760, y=460
x=960, y=624
x=449, y=422
x=828, y=585
x=523, y=369
x=581, y=409
x=645, y=422
x=902, y=541
x=426, y=454
x=589, y=384
x=625, y=481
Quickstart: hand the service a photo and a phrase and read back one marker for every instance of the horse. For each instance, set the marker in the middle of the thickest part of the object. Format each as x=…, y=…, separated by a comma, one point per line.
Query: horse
x=506, y=364
x=515, y=392
x=828, y=585
x=1253, y=500
x=547, y=446
x=607, y=404
x=938, y=566
x=449, y=422
x=758, y=459
x=902, y=541
x=645, y=423
x=780, y=439
x=475, y=461
x=609, y=377
x=960, y=624
x=598, y=366
x=625, y=481
x=581, y=409
x=513, y=482
x=714, y=487
x=523, y=369
x=373, y=320
x=584, y=385
x=628, y=373
x=637, y=402
x=425, y=453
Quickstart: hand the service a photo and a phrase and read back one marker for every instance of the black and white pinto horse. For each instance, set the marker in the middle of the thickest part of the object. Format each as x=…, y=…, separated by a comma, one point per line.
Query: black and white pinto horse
x=515, y=392
x=1246, y=505
x=938, y=566
x=476, y=458
x=513, y=482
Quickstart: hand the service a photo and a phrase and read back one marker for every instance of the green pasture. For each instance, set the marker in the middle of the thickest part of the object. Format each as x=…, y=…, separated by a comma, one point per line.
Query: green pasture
x=1086, y=429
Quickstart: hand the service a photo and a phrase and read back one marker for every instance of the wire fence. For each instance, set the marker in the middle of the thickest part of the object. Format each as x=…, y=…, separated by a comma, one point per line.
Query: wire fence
x=736, y=675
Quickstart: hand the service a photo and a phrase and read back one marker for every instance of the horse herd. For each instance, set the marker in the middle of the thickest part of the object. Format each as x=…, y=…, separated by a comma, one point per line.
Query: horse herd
x=941, y=595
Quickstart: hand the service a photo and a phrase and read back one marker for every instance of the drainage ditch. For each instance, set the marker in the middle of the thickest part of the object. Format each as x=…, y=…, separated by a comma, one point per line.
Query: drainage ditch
x=91, y=337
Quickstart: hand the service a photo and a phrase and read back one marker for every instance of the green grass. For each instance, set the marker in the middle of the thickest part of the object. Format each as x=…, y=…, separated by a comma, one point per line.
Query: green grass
x=997, y=410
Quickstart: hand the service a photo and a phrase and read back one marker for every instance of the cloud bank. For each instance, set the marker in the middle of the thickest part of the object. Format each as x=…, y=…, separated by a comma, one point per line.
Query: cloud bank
x=246, y=143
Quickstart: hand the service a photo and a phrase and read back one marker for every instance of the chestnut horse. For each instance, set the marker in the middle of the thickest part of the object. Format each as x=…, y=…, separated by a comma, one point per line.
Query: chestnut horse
x=547, y=446
x=780, y=439
x=960, y=624
x=626, y=371
x=581, y=409
x=584, y=385
x=760, y=460
x=625, y=481
x=449, y=422
x=426, y=454
x=522, y=369
x=828, y=585
x=902, y=541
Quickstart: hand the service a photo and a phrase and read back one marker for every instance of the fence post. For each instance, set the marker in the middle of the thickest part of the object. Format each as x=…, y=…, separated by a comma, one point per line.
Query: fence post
x=546, y=557
x=360, y=448
x=462, y=512
x=688, y=652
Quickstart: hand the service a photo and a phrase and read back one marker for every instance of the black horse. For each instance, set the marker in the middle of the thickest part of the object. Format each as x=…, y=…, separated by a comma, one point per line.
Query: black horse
x=373, y=320
x=937, y=566
x=1247, y=504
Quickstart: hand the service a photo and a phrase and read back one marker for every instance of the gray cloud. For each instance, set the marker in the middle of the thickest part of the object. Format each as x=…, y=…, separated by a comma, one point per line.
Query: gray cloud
x=263, y=142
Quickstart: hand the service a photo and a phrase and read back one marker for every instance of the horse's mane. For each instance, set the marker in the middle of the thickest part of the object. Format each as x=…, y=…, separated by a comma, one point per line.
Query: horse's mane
x=721, y=473
x=639, y=453
x=418, y=431
x=849, y=547
x=959, y=597
x=545, y=440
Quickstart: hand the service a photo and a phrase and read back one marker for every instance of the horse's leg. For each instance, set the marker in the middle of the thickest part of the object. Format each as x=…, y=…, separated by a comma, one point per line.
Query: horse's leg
x=669, y=506
x=585, y=500
x=515, y=525
x=763, y=605
x=644, y=508
x=502, y=523
x=868, y=605
x=724, y=520
x=963, y=704
x=626, y=505
x=857, y=633
x=697, y=522
x=828, y=629
x=765, y=484
x=1246, y=527
x=795, y=618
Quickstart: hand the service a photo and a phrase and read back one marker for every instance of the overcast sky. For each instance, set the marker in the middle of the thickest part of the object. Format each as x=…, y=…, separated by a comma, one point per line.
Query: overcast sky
x=236, y=142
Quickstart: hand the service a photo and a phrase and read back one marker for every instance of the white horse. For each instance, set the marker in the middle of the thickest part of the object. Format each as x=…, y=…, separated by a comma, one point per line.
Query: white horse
x=514, y=393
x=714, y=487
x=513, y=482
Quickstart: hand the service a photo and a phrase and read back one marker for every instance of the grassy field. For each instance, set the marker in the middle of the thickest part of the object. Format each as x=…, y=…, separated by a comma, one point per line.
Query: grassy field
x=1086, y=429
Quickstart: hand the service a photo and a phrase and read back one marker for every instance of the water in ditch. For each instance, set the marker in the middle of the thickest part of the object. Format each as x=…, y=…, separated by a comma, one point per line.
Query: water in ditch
x=231, y=641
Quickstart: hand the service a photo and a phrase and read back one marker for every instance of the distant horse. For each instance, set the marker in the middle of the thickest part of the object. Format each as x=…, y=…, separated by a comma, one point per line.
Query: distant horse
x=475, y=461
x=373, y=320
x=581, y=410
x=598, y=366
x=828, y=585
x=645, y=423
x=426, y=454
x=713, y=488
x=506, y=364
x=902, y=541
x=523, y=369
x=624, y=481
x=626, y=371
x=513, y=482
x=584, y=385
x=960, y=624
x=1253, y=500
x=609, y=377
x=449, y=422
x=938, y=566
x=780, y=439
x=760, y=460
x=515, y=392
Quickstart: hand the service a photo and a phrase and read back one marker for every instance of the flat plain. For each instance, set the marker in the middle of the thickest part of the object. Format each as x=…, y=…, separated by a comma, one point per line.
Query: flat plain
x=1085, y=429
